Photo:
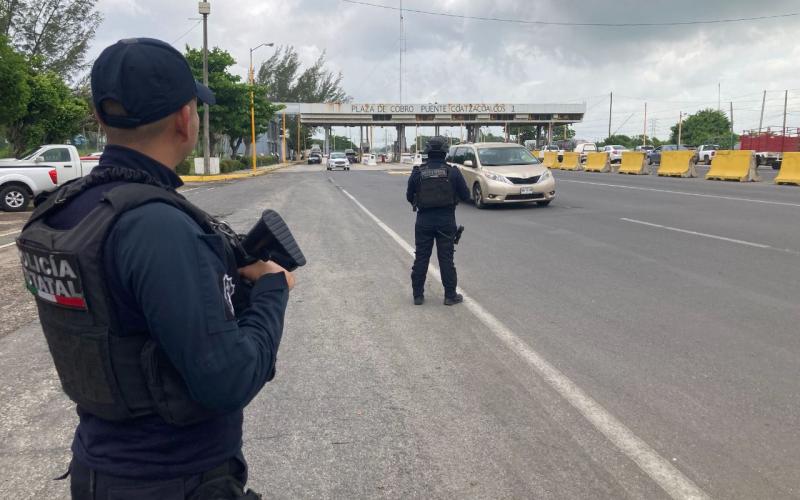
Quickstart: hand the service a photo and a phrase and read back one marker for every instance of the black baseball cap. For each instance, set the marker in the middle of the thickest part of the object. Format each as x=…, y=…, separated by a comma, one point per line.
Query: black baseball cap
x=148, y=77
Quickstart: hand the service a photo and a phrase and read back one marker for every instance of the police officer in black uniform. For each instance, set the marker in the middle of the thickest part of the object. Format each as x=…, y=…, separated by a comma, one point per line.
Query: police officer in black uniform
x=146, y=315
x=434, y=190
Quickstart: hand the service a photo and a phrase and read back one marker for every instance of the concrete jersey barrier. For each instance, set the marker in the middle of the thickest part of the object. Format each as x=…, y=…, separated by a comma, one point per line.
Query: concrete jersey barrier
x=597, y=162
x=677, y=164
x=733, y=165
x=550, y=159
x=790, y=169
x=633, y=163
x=571, y=161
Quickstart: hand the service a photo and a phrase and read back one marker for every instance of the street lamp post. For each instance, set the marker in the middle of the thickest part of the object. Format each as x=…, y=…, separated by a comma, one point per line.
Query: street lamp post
x=253, y=104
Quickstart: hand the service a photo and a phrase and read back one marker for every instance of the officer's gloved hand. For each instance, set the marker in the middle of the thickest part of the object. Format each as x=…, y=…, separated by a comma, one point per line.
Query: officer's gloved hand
x=258, y=269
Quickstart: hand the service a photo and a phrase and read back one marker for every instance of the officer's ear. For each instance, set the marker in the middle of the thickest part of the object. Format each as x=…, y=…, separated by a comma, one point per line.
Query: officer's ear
x=184, y=121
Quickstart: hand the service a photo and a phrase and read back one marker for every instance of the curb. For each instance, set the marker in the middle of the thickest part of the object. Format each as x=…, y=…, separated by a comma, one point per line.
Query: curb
x=230, y=177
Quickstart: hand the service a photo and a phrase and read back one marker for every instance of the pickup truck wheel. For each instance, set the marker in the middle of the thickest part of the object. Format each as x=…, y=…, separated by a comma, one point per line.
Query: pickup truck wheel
x=14, y=198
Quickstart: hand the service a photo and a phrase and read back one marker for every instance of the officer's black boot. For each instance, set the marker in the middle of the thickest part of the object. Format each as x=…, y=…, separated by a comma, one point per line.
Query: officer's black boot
x=455, y=299
x=419, y=300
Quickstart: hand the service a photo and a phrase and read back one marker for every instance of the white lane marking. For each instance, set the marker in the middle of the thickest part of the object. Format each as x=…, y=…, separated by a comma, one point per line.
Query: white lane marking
x=684, y=193
x=7, y=245
x=705, y=235
x=9, y=233
x=188, y=190
x=669, y=478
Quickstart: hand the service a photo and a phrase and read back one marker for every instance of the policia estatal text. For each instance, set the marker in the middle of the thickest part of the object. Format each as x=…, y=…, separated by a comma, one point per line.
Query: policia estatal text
x=434, y=190
x=153, y=332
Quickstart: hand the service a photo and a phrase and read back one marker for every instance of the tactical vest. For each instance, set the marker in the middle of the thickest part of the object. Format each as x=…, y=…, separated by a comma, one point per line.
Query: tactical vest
x=434, y=189
x=116, y=377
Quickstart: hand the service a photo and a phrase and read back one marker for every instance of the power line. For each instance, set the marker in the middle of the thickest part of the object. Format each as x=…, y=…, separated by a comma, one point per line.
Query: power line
x=187, y=32
x=556, y=23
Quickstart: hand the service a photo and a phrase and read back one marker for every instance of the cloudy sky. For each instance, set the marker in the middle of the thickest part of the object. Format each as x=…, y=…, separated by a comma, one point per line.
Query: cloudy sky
x=449, y=59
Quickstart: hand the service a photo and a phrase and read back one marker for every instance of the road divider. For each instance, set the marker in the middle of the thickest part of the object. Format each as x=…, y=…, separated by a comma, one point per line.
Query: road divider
x=633, y=163
x=677, y=164
x=790, y=169
x=551, y=159
x=571, y=161
x=597, y=162
x=733, y=165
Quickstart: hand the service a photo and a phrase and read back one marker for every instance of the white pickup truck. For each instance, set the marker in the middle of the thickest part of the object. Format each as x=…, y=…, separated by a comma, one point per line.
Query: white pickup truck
x=42, y=169
x=706, y=152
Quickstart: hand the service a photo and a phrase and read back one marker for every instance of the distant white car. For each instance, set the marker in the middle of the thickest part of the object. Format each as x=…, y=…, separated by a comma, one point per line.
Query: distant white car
x=338, y=160
x=614, y=152
x=419, y=159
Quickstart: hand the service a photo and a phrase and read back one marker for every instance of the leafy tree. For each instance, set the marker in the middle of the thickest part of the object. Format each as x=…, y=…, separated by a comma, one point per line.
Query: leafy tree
x=284, y=81
x=638, y=140
x=53, y=34
x=558, y=132
x=14, y=82
x=620, y=139
x=337, y=143
x=52, y=114
x=708, y=126
x=230, y=116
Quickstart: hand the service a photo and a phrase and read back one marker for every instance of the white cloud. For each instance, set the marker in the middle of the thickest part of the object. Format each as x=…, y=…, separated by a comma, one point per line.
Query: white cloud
x=673, y=68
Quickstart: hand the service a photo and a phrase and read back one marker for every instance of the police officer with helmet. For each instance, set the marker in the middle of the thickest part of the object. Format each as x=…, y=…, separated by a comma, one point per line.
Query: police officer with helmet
x=434, y=190
x=146, y=314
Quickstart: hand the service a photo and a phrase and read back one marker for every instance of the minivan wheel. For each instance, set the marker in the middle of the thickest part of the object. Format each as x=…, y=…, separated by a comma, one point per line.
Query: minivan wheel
x=14, y=198
x=477, y=196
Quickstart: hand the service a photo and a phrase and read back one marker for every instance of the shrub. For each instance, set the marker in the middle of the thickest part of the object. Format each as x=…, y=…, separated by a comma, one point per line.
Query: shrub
x=185, y=167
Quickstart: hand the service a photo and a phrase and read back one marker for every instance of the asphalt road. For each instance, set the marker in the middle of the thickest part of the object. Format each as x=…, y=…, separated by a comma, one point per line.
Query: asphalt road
x=637, y=338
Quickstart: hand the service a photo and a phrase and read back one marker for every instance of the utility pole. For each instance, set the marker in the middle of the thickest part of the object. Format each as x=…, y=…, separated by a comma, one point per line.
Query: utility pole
x=783, y=135
x=719, y=96
x=253, y=106
x=205, y=9
x=732, y=125
x=402, y=43
x=283, y=142
x=610, y=107
x=645, y=126
x=680, y=128
x=761, y=120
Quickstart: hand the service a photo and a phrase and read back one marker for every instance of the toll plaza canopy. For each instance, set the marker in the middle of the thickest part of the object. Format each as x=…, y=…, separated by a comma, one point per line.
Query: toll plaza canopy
x=434, y=114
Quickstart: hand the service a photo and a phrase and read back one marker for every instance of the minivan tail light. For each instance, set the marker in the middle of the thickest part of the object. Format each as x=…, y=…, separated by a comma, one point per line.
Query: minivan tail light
x=54, y=176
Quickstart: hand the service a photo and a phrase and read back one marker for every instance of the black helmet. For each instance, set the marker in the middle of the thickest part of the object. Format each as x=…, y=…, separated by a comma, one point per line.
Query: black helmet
x=436, y=145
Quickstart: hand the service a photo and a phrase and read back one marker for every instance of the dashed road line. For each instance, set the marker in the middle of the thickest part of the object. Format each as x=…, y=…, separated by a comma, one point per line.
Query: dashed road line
x=660, y=470
x=711, y=236
x=684, y=193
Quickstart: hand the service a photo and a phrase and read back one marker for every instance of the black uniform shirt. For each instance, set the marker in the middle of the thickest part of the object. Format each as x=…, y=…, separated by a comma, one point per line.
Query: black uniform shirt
x=456, y=180
x=165, y=277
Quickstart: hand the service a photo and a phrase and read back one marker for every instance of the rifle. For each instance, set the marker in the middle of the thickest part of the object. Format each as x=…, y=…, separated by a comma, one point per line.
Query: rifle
x=269, y=239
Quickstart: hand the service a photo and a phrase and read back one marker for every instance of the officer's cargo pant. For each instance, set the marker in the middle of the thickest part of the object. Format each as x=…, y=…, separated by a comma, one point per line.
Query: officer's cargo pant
x=443, y=233
x=223, y=482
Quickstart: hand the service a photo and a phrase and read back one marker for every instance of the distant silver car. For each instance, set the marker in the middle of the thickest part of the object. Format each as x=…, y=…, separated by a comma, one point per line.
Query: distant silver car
x=338, y=160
